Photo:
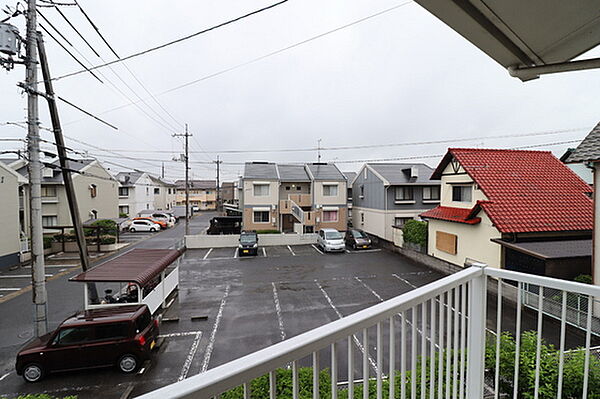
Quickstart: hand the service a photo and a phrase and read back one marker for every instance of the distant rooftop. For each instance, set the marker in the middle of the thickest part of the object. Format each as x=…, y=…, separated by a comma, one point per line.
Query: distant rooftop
x=293, y=173
x=588, y=149
x=401, y=173
x=260, y=170
x=325, y=171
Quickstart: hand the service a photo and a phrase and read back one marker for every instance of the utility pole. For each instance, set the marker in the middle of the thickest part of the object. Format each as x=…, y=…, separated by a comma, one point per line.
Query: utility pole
x=187, y=180
x=218, y=184
x=34, y=168
x=64, y=166
x=162, y=171
x=319, y=150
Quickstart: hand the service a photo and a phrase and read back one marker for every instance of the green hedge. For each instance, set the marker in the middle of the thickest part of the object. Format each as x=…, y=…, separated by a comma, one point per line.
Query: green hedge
x=415, y=232
x=107, y=227
x=48, y=242
x=268, y=232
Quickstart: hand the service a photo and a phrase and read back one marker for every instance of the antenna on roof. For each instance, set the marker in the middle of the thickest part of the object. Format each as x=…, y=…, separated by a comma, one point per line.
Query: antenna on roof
x=319, y=150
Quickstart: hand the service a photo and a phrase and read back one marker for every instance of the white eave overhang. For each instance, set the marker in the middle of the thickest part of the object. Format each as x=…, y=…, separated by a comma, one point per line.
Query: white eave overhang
x=529, y=38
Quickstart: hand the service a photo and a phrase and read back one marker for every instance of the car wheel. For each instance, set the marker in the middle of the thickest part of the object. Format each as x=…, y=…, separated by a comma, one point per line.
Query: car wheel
x=132, y=230
x=152, y=229
x=33, y=372
x=128, y=363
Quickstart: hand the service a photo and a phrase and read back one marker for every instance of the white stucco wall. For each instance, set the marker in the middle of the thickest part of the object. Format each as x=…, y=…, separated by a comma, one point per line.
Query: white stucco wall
x=9, y=198
x=340, y=199
x=378, y=222
x=473, y=241
x=461, y=177
x=251, y=199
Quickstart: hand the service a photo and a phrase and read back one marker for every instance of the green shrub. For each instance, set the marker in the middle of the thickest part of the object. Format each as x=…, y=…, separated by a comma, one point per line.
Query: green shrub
x=415, y=232
x=108, y=240
x=123, y=215
x=584, y=278
x=48, y=242
x=106, y=227
x=268, y=232
x=64, y=237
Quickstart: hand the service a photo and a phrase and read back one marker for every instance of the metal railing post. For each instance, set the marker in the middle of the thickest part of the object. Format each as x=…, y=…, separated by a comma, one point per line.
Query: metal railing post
x=476, y=345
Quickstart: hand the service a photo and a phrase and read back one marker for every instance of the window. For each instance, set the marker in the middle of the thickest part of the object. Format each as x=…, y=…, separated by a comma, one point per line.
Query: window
x=93, y=190
x=362, y=217
x=330, y=190
x=124, y=209
x=123, y=191
x=330, y=216
x=48, y=221
x=48, y=191
x=111, y=331
x=74, y=335
x=298, y=188
x=156, y=191
x=365, y=174
x=362, y=191
x=261, y=216
x=431, y=193
x=207, y=192
x=287, y=188
x=461, y=193
x=142, y=322
x=399, y=221
x=404, y=194
x=147, y=191
x=261, y=190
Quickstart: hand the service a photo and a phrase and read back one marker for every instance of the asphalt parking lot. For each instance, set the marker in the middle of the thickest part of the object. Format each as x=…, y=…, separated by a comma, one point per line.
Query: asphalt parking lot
x=229, y=306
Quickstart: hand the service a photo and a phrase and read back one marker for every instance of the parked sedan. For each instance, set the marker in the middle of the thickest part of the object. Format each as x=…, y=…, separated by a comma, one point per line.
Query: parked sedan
x=357, y=239
x=330, y=240
x=143, y=225
x=248, y=243
x=161, y=223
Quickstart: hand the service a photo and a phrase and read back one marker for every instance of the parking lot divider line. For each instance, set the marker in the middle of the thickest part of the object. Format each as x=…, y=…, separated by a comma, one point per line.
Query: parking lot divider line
x=5, y=375
x=235, y=254
x=316, y=249
x=208, y=253
x=372, y=291
x=339, y=314
x=21, y=276
x=213, y=334
x=278, y=310
x=264, y=252
x=290, y=248
x=9, y=289
x=179, y=334
x=190, y=357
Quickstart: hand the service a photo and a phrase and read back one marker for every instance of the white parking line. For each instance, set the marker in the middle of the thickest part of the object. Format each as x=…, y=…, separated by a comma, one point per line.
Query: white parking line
x=5, y=375
x=22, y=276
x=290, y=248
x=47, y=266
x=278, y=310
x=264, y=252
x=235, y=254
x=405, y=281
x=10, y=289
x=316, y=249
x=213, y=334
x=208, y=253
x=190, y=357
x=179, y=334
x=356, y=341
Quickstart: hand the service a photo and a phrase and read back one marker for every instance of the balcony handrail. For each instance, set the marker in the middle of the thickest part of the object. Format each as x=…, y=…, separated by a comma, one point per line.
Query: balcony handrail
x=222, y=378
x=546, y=282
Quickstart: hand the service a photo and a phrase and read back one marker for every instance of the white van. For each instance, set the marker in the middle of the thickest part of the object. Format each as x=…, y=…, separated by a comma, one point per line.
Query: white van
x=331, y=240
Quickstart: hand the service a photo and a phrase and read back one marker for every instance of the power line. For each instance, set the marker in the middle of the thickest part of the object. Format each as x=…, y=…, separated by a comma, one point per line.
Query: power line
x=176, y=40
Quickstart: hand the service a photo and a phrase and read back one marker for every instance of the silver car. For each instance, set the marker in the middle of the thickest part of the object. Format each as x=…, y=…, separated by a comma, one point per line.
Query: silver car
x=331, y=240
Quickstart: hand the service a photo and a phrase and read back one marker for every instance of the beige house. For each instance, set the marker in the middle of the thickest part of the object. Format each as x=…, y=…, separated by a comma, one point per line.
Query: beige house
x=165, y=194
x=11, y=232
x=520, y=210
x=95, y=189
x=203, y=194
x=293, y=198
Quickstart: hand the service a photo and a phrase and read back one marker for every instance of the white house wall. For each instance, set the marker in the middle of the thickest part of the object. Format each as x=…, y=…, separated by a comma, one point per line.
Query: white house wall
x=10, y=231
x=446, y=189
x=473, y=241
x=379, y=222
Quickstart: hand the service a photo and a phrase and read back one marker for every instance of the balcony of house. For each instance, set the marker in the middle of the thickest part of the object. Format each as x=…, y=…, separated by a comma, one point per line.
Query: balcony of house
x=302, y=200
x=441, y=340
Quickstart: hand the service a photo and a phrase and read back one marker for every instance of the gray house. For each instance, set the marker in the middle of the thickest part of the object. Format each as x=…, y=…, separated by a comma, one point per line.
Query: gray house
x=389, y=194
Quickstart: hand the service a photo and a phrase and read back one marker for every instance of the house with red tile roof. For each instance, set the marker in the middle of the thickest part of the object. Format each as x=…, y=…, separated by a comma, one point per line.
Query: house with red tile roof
x=514, y=209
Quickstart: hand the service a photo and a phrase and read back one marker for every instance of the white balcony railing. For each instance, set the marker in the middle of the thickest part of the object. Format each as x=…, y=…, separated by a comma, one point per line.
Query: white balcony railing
x=428, y=343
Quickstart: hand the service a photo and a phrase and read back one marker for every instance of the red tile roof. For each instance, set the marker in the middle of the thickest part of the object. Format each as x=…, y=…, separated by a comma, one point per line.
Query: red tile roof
x=450, y=214
x=528, y=191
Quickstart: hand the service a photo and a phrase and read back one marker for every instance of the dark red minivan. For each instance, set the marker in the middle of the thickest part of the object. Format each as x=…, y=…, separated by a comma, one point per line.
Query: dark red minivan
x=121, y=336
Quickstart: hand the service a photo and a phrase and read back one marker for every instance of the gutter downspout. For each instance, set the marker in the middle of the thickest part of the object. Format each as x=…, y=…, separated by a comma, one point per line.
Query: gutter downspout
x=596, y=235
x=385, y=208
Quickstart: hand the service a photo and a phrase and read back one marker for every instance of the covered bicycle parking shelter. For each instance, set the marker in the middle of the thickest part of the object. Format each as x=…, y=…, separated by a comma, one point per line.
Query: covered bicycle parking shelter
x=144, y=276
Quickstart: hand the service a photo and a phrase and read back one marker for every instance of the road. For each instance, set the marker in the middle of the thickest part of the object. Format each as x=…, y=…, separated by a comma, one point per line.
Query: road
x=65, y=298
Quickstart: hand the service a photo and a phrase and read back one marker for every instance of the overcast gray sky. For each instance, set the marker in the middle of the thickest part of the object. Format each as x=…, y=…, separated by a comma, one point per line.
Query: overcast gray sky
x=400, y=77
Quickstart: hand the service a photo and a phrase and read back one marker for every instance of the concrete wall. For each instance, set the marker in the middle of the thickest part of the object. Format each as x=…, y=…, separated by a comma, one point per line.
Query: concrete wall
x=229, y=241
x=339, y=199
x=10, y=231
x=473, y=242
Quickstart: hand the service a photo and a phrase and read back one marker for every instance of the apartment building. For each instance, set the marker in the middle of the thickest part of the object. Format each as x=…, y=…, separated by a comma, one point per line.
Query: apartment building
x=136, y=193
x=165, y=194
x=293, y=198
x=203, y=194
x=12, y=228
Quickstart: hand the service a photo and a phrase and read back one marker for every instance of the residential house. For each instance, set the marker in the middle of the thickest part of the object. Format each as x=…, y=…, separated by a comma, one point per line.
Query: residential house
x=582, y=169
x=293, y=198
x=165, y=193
x=519, y=210
x=12, y=205
x=228, y=192
x=388, y=194
x=136, y=192
x=349, y=178
x=203, y=194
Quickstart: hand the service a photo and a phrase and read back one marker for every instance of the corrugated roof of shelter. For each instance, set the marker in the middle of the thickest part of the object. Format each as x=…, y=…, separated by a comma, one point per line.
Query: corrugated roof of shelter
x=260, y=170
x=325, y=171
x=588, y=149
x=527, y=191
x=551, y=249
x=138, y=266
x=399, y=173
x=292, y=173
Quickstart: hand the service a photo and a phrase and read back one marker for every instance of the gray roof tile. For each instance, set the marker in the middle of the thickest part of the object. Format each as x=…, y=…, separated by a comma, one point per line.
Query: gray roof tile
x=254, y=170
x=325, y=171
x=293, y=173
x=399, y=173
x=588, y=149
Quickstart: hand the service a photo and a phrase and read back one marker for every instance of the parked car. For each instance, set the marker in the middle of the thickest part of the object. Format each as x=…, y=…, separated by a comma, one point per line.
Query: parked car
x=143, y=225
x=248, y=243
x=331, y=240
x=195, y=208
x=164, y=217
x=357, y=239
x=225, y=225
x=121, y=336
x=161, y=223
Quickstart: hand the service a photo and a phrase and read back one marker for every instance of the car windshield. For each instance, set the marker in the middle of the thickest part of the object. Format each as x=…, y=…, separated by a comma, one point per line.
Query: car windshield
x=358, y=234
x=333, y=235
x=248, y=238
